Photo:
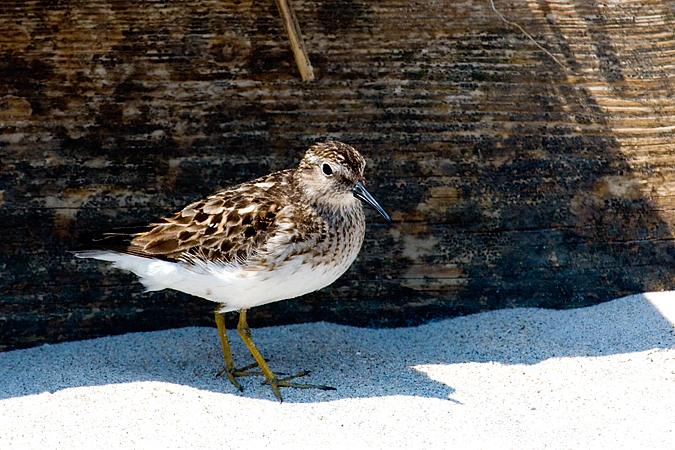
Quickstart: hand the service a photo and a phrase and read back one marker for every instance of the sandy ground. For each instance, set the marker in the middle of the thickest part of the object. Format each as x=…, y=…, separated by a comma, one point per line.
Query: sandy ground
x=598, y=377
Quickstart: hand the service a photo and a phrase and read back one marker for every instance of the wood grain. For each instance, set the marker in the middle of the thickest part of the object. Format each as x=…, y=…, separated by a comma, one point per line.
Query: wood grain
x=511, y=181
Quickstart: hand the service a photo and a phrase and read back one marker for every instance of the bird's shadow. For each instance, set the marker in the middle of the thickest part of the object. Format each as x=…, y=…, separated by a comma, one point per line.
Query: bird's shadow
x=358, y=362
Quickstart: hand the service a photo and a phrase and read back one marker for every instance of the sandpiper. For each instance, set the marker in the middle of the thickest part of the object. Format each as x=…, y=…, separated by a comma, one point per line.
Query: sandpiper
x=274, y=238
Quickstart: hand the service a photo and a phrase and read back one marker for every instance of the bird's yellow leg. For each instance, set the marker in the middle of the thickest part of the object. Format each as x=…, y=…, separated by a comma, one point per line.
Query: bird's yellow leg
x=270, y=378
x=229, y=367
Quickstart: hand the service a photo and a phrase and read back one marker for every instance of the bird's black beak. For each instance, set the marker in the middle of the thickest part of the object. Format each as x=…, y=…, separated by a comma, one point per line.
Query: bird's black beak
x=360, y=192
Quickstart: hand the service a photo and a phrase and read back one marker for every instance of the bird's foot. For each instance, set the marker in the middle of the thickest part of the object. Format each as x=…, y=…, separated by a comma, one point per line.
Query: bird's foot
x=233, y=373
x=277, y=383
x=270, y=378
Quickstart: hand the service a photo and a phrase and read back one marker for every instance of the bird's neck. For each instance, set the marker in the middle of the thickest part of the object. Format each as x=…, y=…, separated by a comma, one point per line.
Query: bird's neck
x=342, y=214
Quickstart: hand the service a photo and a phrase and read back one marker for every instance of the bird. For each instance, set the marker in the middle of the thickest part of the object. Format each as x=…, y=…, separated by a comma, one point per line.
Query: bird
x=274, y=238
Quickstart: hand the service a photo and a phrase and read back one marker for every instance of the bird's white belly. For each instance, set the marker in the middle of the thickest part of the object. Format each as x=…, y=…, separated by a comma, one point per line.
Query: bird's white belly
x=235, y=288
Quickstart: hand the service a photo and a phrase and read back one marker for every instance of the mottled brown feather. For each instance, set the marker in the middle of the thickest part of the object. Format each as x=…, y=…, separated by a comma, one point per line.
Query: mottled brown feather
x=225, y=227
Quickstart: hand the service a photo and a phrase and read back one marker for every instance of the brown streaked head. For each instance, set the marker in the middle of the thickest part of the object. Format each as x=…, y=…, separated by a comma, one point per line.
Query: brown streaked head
x=331, y=174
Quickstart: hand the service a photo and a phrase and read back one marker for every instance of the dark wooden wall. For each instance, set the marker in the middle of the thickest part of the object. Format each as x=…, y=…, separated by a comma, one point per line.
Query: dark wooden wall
x=512, y=181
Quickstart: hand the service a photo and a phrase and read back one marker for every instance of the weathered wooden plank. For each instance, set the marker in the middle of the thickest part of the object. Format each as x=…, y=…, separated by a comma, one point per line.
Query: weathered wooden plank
x=512, y=181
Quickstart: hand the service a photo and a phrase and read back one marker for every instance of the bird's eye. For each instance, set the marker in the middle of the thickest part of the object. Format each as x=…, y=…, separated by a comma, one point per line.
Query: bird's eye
x=327, y=170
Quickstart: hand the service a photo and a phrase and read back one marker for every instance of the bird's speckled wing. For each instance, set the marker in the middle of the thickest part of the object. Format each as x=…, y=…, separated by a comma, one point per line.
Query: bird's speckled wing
x=230, y=226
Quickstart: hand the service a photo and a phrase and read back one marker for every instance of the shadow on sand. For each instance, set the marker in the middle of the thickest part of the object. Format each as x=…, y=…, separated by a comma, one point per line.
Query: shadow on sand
x=359, y=362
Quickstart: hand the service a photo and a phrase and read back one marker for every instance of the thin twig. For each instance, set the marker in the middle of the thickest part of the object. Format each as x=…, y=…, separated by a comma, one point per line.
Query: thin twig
x=514, y=24
x=295, y=37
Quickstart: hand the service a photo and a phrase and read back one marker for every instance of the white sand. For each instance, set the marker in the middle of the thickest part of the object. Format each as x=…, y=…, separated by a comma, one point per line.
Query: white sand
x=598, y=377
